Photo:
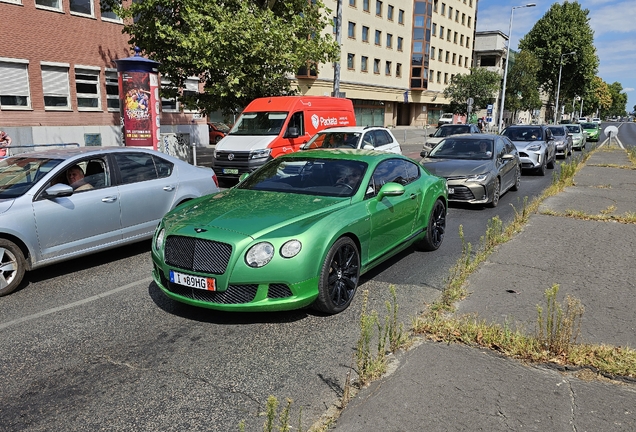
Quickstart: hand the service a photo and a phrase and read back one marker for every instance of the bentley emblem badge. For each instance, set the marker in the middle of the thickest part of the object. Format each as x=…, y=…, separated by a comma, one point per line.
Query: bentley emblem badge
x=230, y=156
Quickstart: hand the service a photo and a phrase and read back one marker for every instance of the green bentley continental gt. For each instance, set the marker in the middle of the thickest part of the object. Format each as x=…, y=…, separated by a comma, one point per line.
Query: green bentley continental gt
x=299, y=231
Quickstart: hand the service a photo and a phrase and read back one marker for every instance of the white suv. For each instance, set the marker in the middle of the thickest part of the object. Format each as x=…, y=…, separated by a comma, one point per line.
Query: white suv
x=446, y=118
x=357, y=137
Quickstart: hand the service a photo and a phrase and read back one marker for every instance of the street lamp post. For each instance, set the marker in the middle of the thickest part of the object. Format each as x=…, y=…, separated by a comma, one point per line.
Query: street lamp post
x=503, y=92
x=556, y=107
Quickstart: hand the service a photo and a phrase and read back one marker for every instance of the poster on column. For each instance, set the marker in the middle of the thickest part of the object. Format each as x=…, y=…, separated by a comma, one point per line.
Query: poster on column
x=140, y=95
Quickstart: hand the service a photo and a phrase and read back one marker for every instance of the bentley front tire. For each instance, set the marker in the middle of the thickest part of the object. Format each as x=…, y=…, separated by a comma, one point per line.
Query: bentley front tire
x=339, y=277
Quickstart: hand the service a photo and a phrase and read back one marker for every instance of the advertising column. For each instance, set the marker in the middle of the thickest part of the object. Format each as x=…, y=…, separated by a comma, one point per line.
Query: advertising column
x=139, y=101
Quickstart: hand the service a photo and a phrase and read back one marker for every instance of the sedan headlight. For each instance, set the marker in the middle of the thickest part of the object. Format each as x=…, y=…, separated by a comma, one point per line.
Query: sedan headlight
x=477, y=177
x=159, y=239
x=259, y=255
x=260, y=154
x=290, y=249
x=534, y=147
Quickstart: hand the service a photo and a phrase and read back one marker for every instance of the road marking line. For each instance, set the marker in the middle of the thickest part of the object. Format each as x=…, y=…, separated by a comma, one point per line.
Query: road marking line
x=74, y=304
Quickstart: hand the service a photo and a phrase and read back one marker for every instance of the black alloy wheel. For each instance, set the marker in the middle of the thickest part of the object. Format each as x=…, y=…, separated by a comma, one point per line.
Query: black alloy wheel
x=339, y=277
x=436, y=228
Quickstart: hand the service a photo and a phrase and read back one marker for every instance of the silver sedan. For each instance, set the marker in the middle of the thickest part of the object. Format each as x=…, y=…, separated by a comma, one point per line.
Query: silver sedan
x=61, y=204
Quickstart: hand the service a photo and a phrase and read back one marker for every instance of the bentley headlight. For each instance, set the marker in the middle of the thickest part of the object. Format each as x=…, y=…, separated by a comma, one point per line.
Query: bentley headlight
x=159, y=239
x=477, y=177
x=259, y=254
x=290, y=249
x=260, y=154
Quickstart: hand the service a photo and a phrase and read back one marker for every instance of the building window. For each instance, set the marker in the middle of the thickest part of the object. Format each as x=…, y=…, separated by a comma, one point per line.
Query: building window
x=460, y=60
x=470, y=3
x=14, y=85
x=107, y=13
x=53, y=4
x=456, y=16
x=448, y=35
x=443, y=11
x=365, y=34
x=398, y=70
x=389, y=13
x=363, y=64
x=461, y=40
x=84, y=7
x=400, y=43
x=389, y=40
x=467, y=42
x=112, y=90
x=378, y=37
x=365, y=5
x=455, y=37
x=400, y=16
x=168, y=104
x=430, y=75
x=87, y=88
x=378, y=7
x=435, y=6
x=55, y=87
x=454, y=58
x=434, y=31
x=376, y=66
x=352, y=3
x=387, y=68
x=439, y=77
x=466, y=62
x=190, y=92
x=351, y=61
x=450, y=12
x=352, y=30
x=463, y=19
x=447, y=56
x=334, y=25
x=441, y=32
x=445, y=78
x=432, y=53
x=439, y=54
x=469, y=21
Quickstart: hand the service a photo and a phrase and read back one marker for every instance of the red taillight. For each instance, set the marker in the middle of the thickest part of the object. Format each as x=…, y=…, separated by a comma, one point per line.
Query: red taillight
x=215, y=180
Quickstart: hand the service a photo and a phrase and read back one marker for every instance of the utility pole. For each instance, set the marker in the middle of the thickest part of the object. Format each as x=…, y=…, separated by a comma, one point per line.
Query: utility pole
x=336, y=65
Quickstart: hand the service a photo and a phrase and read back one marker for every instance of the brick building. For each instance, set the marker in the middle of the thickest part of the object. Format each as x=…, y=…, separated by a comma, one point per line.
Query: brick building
x=58, y=78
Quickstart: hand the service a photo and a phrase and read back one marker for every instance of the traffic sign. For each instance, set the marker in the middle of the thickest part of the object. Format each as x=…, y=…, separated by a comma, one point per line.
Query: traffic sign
x=611, y=130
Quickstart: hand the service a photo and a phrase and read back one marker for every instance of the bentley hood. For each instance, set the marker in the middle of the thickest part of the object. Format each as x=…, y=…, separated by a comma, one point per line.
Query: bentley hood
x=252, y=213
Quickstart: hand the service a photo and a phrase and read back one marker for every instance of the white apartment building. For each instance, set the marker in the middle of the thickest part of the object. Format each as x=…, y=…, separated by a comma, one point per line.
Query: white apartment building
x=390, y=64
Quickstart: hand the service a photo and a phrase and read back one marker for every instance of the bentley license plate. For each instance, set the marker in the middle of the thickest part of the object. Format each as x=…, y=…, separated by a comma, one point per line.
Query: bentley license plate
x=230, y=170
x=191, y=281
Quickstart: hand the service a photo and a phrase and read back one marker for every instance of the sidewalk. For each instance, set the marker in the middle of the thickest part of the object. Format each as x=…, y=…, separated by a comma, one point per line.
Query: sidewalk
x=441, y=387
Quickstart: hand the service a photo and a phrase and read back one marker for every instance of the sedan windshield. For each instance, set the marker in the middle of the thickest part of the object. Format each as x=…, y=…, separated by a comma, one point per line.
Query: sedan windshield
x=523, y=134
x=259, y=123
x=462, y=148
x=334, y=140
x=327, y=177
x=19, y=174
x=573, y=129
x=589, y=125
x=451, y=130
x=557, y=131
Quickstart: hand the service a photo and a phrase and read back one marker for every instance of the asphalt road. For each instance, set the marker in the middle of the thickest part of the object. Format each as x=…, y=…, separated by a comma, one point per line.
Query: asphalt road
x=92, y=344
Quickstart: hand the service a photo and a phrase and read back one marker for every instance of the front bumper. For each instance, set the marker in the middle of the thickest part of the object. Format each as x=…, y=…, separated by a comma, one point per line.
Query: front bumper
x=228, y=164
x=471, y=192
x=530, y=160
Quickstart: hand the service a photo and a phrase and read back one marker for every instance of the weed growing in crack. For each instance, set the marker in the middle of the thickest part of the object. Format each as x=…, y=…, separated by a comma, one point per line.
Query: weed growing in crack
x=557, y=328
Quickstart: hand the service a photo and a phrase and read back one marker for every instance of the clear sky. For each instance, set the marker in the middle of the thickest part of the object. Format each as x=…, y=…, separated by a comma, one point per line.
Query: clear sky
x=613, y=22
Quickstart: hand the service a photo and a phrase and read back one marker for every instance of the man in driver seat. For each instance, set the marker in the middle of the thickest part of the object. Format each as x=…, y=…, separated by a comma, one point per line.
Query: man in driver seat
x=349, y=176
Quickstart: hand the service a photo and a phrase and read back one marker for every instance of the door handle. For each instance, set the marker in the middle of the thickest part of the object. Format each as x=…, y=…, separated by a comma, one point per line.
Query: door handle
x=109, y=199
x=413, y=196
x=168, y=188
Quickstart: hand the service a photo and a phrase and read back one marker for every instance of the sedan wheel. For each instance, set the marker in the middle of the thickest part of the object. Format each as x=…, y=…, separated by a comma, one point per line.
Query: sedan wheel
x=217, y=139
x=436, y=228
x=339, y=277
x=495, y=193
x=517, y=184
x=12, y=267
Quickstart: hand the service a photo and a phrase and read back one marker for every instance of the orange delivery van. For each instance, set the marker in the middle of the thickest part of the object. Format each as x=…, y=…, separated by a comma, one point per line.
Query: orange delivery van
x=272, y=126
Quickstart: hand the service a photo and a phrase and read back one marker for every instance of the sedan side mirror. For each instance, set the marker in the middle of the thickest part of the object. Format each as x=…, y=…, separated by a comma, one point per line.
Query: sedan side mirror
x=390, y=189
x=57, y=191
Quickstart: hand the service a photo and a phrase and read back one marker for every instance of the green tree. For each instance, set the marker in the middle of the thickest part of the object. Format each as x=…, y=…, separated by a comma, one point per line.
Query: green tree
x=564, y=28
x=522, y=87
x=239, y=49
x=619, y=100
x=481, y=85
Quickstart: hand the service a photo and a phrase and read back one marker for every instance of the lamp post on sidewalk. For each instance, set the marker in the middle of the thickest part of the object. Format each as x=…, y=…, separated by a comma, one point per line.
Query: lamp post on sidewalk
x=556, y=105
x=503, y=92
